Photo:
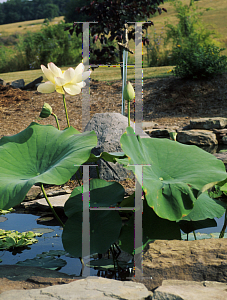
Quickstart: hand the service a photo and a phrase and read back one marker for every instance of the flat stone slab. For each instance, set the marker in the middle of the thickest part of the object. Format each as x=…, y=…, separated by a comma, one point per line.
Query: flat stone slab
x=56, y=201
x=191, y=290
x=209, y=123
x=92, y=287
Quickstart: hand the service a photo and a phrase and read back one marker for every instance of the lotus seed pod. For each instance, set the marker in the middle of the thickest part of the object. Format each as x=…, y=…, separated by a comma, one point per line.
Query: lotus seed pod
x=46, y=111
x=129, y=93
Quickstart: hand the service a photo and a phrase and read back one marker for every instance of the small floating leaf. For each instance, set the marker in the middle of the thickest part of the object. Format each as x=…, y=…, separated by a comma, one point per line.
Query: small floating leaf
x=50, y=263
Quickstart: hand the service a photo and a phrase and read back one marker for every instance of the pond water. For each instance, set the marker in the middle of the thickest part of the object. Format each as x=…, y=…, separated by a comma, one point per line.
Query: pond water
x=48, y=241
x=52, y=241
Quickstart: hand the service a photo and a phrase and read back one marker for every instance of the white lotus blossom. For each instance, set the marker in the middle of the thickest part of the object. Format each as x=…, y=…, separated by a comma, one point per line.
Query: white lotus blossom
x=71, y=81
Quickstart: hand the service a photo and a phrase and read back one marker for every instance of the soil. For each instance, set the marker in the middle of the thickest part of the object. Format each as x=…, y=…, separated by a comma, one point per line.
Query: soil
x=166, y=101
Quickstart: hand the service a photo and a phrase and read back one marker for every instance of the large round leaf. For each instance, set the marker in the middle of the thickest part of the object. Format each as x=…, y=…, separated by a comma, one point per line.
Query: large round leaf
x=40, y=154
x=176, y=174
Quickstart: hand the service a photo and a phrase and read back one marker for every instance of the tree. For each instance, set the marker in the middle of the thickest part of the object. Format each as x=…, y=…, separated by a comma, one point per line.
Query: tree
x=111, y=16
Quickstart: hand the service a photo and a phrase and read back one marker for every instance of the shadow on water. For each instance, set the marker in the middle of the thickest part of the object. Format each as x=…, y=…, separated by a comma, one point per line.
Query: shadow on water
x=49, y=242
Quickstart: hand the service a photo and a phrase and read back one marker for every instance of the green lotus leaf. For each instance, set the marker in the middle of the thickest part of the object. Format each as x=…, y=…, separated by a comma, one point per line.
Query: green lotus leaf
x=206, y=208
x=105, y=225
x=50, y=263
x=102, y=194
x=40, y=154
x=174, y=174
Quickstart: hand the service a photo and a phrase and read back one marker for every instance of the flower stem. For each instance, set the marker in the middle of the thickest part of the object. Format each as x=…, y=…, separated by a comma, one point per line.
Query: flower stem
x=97, y=170
x=194, y=235
x=77, y=179
x=222, y=233
x=67, y=118
x=56, y=119
x=128, y=113
x=51, y=207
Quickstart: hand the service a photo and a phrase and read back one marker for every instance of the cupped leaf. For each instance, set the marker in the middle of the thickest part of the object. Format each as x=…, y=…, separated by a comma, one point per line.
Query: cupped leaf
x=206, y=208
x=154, y=228
x=40, y=154
x=202, y=214
x=174, y=173
x=102, y=194
x=105, y=225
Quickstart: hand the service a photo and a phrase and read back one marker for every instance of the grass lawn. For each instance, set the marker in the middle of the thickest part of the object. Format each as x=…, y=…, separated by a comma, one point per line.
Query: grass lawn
x=101, y=73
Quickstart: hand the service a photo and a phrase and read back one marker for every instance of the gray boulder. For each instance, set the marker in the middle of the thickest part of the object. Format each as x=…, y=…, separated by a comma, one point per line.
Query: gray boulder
x=197, y=137
x=109, y=127
x=17, y=83
x=209, y=123
x=33, y=84
x=2, y=82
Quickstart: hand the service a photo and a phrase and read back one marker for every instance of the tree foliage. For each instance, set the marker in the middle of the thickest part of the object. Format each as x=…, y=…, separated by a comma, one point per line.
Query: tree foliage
x=24, y=10
x=111, y=15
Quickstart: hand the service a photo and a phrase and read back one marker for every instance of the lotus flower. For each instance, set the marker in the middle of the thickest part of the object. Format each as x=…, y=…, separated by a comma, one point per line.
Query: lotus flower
x=70, y=81
x=128, y=92
x=46, y=111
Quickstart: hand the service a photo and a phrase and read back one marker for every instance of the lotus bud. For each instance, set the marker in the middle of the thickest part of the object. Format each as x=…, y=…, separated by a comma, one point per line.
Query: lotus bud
x=129, y=93
x=46, y=111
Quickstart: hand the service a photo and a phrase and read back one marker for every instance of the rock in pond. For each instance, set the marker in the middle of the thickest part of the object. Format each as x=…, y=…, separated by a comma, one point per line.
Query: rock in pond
x=197, y=137
x=184, y=260
x=109, y=127
x=209, y=123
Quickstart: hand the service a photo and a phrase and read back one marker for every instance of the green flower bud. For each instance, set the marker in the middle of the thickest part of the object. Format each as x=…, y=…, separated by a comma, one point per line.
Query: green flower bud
x=46, y=111
x=128, y=92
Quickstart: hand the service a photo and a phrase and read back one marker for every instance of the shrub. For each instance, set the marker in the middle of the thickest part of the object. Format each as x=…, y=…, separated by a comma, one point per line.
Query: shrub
x=199, y=61
x=189, y=31
x=51, y=43
x=157, y=55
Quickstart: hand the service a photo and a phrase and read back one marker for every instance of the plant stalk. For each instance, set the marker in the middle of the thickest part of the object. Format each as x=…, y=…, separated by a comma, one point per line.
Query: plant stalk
x=51, y=207
x=194, y=235
x=67, y=118
x=222, y=233
x=56, y=119
x=128, y=113
x=97, y=170
x=78, y=180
